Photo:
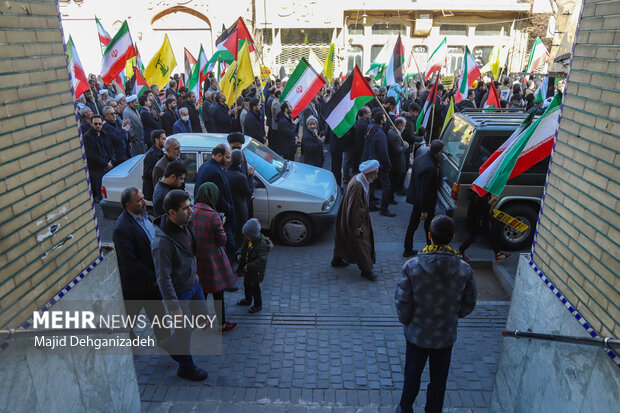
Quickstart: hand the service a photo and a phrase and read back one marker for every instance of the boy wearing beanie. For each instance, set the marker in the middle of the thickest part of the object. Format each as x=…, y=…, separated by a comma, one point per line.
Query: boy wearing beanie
x=252, y=257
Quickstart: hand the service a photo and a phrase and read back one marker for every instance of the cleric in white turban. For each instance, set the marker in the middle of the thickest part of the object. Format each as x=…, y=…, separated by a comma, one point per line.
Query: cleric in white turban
x=355, y=241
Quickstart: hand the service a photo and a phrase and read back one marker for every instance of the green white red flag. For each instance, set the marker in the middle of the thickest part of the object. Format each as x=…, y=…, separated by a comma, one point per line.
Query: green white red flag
x=190, y=61
x=541, y=93
x=119, y=50
x=523, y=126
x=341, y=110
x=437, y=59
x=377, y=68
x=538, y=56
x=302, y=86
x=428, y=108
x=470, y=73
x=198, y=74
x=492, y=98
x=531, y=146
x=79, y=82
x=104, y=36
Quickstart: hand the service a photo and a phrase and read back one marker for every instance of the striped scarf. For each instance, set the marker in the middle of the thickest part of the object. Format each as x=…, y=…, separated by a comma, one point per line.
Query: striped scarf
x=446, y=247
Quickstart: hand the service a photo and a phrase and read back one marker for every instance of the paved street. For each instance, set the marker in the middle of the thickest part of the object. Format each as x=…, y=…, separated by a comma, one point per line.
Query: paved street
x=326, y=340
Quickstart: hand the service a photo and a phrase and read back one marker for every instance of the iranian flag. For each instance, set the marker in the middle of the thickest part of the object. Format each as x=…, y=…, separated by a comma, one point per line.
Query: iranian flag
x=538, y=57
x=198, y=75
x=394, y=68
x=116, y=54
x=104, y=36
x=492, y=98
x=523, y=126
x=470, y=73
x=377, y=68
x=139, y=85
x=341, y=110
x=302, y=86
x=428, y=108
x=437, y=59
x=531, y=146
x=79, y=82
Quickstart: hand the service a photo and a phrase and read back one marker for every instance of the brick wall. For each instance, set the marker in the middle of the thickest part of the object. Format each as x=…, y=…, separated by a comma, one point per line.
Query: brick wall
x=42, y=177
x=578, y=240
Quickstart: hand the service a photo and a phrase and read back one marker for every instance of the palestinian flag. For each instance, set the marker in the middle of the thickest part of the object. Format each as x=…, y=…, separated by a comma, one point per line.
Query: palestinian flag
x=116, y=54
x=139, y=84
x=470, y=73
x=541, y=93
x=229, y=42
x=492, y=98
x=79, y=82
x=428, y=108
x=531, y=146
x=437, y=59
x=190, y=61
x=104, y=37
x=341, y=110
x=523, y=126
x=538, y=56
x=394, y=68
x=198, y=75
x=302, y=86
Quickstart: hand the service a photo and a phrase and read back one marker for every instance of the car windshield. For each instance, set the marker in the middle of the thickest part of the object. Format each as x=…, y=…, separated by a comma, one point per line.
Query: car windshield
x=268, y=164
x=457, y=138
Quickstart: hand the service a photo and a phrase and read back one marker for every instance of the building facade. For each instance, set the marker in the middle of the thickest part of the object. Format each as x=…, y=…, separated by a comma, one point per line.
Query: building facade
x=362, y=28
x=570, y=284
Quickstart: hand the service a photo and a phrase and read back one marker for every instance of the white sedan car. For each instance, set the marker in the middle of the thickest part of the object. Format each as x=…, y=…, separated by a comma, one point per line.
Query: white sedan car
x=291, y=199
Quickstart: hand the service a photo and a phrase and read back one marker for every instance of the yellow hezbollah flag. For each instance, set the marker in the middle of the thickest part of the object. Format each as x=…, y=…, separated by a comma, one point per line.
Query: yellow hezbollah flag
x=493, y=64
x=238, y=76
x=160, y=67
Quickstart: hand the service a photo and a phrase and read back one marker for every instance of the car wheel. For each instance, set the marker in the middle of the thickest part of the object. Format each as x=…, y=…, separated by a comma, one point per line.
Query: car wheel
x=509, y=238
x=294, y=230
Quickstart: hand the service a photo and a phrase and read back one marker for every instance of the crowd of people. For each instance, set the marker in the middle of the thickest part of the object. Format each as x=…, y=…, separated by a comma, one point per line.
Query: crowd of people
x=195, y=249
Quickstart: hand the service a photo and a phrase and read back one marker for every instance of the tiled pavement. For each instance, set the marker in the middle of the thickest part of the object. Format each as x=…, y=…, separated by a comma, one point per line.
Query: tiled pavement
x=326, y=341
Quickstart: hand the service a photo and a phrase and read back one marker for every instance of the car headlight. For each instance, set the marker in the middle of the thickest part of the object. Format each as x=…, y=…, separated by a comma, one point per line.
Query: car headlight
x=327, y=205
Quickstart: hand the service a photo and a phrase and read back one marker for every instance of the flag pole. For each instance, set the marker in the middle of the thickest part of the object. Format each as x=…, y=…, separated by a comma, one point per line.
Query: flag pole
x=387, y=115
x=430, y=134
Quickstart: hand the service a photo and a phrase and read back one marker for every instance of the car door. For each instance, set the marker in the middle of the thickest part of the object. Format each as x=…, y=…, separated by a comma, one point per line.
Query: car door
x=189, y=159
x=261, y=201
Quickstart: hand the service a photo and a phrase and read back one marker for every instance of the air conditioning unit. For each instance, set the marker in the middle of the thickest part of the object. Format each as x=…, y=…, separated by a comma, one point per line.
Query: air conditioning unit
x=423, y=24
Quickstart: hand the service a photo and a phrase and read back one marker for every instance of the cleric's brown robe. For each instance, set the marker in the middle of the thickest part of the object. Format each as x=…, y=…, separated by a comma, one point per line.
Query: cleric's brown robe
x=354, y=214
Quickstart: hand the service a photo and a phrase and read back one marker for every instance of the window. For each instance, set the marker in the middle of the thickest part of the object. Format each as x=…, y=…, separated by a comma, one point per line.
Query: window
x=206, y=156
x=455, y=58
x=268, y=164
x=307, y=36
x=492, y=30
x=356, y=29
x=374, y=51
x=453, y=30
x=189, y=159
x=354, y=54
x=267, y=36
x=387, y=28
x=488, y=144
x=457, y=138
x=420, y=53
x=481, y=54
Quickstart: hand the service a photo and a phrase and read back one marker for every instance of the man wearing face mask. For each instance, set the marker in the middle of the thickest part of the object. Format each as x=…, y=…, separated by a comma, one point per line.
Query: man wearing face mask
x=354, y=236
x=182, y=125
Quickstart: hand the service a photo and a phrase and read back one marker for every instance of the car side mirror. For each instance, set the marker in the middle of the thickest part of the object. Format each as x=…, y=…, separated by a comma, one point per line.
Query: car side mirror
x=258, y=183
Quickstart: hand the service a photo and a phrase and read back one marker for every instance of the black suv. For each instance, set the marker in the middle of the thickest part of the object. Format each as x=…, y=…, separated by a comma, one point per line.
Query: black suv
x=470, y=138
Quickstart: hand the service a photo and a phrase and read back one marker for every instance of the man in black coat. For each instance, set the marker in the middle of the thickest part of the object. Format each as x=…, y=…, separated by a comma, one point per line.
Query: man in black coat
x=422, y=193
x=253, y=125
x=154, y=154
x=170, y=116
x=132, y=238
x=214, y=171
x=206, y=105
x=360, y=127
x=220, y=115
x=97, y=155
x=117, y=134
x=376, y=147
x=194, y=115
x=149, y=118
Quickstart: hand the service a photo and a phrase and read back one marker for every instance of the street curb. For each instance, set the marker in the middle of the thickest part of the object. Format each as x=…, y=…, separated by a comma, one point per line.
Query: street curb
x=504, y=278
